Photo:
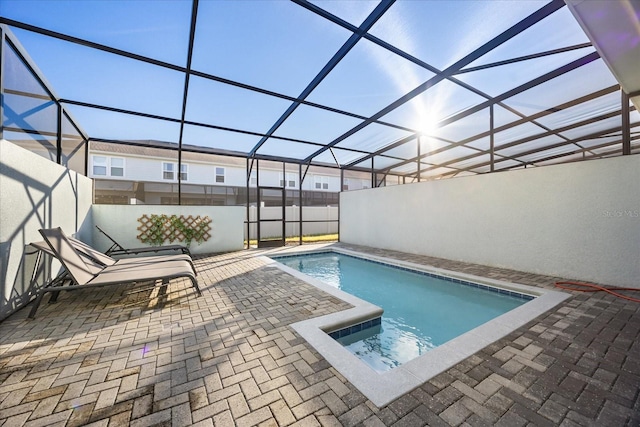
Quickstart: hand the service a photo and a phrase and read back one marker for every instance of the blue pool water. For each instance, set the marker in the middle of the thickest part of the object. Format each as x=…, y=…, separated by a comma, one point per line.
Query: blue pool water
x=420, y=312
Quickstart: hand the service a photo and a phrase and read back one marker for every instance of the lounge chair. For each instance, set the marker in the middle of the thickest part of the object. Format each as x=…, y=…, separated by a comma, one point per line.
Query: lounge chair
x=117, y=249
x=104, y=259
x=85, y=273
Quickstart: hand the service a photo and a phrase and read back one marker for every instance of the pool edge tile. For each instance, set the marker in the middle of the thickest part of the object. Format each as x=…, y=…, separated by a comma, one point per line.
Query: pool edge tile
x=383, y=388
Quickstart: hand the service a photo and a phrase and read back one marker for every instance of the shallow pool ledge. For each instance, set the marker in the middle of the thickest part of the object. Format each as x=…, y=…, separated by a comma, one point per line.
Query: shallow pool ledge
x=361, y=312
x=384, y=388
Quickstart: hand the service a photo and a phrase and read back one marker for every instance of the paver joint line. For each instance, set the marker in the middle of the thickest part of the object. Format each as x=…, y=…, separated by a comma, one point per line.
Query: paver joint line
x=230, y=357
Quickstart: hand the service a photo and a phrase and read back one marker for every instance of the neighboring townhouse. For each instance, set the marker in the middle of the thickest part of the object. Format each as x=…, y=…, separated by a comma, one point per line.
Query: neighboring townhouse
x=135, y=174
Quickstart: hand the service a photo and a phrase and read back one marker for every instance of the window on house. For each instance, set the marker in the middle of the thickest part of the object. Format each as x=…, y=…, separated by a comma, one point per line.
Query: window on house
x=345, y=185
x=253, y=178
x=184, y=171
x=100, y=165
x=167, y=171
x=117, y=166
x=290, y=180
x=107, y=166
x=219, y=175
x=321, y=182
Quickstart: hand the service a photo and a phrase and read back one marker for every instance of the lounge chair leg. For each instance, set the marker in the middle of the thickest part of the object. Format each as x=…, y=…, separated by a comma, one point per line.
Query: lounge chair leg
x=36, y=304
x=54, y=297
x=162, y=293
x=194, y=281
x=57, y=283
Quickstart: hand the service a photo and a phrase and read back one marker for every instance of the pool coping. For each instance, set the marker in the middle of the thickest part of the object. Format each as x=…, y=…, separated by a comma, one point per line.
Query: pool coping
x=383, y=388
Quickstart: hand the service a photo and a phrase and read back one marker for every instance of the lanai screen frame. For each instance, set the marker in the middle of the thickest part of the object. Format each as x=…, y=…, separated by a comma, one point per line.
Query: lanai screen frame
x=409, y=168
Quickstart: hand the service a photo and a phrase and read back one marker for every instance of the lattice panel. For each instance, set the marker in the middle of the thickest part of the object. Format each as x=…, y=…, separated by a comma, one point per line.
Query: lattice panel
x=157, y=229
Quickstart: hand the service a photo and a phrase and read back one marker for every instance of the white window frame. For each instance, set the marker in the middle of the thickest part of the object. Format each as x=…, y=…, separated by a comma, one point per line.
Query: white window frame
x=184, y=172
x=345, y=184
x=291, y=180
x=102, y=163
x=216, y=174
x=320, y=182
x=112, y=166
x=168, y=167
x=107, y=163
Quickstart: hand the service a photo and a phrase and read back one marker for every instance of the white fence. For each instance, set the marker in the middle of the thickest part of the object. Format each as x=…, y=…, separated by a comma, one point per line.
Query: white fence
x=327, y=215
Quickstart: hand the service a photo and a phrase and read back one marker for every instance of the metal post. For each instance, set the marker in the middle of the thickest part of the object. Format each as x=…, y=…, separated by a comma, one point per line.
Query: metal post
x=373, y=175
x=626, y=124
x=491, y=140
x=86, y=156
x=258, y=200
x=247, y=203
x=341, y=190
x=418, y=158
x=192, y=31
x=300, y=178
x=284, y=202
x=179, y=177
x=59, y=135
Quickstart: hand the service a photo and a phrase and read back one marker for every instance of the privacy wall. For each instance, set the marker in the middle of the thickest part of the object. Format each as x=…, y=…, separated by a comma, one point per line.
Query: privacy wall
x=578, y=221
x=35, y=193
x=121, y=223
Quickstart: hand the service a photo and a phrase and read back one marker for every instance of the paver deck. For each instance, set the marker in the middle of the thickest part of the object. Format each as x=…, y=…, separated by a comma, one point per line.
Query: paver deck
x=128, y=356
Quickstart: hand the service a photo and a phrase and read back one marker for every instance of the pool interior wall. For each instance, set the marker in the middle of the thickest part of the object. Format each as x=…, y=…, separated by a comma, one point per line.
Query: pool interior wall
x=417, y=305
x=383, y=388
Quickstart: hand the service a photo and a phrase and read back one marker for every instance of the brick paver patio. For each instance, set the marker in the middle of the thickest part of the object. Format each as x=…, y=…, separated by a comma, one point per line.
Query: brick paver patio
x=128, y=356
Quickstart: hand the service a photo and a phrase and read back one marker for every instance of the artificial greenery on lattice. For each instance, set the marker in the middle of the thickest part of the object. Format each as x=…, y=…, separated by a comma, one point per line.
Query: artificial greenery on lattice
x=157, y=229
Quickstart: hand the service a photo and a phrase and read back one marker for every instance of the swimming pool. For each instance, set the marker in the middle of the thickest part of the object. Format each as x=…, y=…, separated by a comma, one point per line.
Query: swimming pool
x=382, y=388
x=421, y=311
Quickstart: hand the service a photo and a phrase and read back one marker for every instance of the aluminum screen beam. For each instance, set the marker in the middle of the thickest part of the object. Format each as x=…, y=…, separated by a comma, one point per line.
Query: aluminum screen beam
x=185, y=93
x=626, y=120
x=535, y=82
x=524, y=58
x=137, y=57
x=346, y=47
x=451, y=70
x=599, y=134
x=538, y=136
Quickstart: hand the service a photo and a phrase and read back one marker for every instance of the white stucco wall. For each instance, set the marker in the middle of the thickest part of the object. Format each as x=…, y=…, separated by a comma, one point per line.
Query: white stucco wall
x=579, y=221
x=35, y=193
x=121, y=223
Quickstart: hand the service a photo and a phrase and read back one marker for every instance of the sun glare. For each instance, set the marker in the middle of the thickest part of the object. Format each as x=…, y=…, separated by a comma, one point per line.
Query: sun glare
x=426, y=124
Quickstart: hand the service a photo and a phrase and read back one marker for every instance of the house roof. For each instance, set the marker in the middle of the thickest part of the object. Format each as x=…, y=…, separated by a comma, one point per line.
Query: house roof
x=160, y=150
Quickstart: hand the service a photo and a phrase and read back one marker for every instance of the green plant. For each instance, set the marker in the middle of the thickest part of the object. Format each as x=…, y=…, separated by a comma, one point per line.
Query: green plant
x=155, y=232
x=197, y=231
